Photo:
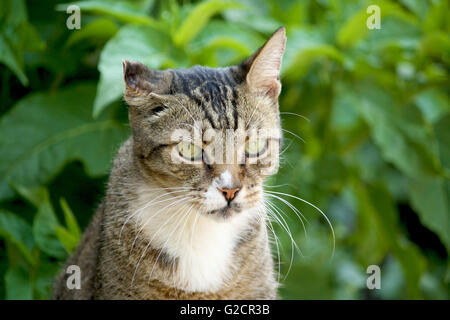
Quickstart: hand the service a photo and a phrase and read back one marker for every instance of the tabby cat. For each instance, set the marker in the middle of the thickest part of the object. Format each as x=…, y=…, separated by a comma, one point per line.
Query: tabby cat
x=175, y=223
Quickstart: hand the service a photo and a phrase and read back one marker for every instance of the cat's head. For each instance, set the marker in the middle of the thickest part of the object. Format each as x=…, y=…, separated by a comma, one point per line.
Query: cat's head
x=212, y=134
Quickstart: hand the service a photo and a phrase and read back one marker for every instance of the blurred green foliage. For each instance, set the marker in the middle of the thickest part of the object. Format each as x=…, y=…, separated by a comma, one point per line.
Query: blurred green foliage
x=375, y=159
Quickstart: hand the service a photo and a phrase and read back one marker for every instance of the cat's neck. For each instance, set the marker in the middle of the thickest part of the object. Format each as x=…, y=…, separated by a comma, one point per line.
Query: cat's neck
x=203, y=247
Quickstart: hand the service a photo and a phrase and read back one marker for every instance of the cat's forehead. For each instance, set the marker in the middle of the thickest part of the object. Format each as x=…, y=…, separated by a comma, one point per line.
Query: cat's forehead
x=204, y=80
x=214, y=98
x=214, y=92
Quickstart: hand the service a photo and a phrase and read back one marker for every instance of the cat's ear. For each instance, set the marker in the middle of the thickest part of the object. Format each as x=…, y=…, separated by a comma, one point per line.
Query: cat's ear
x=136, y=77
x=142, y=83
x=263, y=67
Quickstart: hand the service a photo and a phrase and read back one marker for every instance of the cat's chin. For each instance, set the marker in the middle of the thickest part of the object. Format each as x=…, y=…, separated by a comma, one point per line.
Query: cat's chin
x=223, y=214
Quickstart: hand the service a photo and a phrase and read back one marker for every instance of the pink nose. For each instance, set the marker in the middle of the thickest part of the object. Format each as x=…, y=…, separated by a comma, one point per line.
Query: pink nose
x=229, y=194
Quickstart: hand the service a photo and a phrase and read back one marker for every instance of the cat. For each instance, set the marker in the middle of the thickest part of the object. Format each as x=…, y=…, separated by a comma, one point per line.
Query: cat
x=175, y=224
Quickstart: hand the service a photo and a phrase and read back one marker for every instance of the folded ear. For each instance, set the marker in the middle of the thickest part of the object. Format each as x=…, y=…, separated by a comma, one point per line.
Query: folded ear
x=264, y=65
x=136, y=77
x=142, y=84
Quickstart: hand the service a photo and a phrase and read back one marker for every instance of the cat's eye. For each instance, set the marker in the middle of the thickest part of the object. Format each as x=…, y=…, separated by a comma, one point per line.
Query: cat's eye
x=255, y=148
x=189, y=151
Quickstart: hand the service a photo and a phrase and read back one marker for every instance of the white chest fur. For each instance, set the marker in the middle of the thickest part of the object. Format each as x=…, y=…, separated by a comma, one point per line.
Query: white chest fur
x=203, y=246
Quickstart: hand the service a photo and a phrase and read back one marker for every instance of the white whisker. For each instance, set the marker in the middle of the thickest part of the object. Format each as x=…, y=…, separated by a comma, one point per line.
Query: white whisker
x=323, y=214
x=296, y=114
x=288, y=231
x=178, y=201
x=296, y=211
x=152, y=201
x=163, y=246
x=298, y=137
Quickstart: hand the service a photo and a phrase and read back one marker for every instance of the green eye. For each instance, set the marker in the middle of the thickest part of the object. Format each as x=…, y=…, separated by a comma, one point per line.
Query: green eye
x=255, y=148
x=189, y=151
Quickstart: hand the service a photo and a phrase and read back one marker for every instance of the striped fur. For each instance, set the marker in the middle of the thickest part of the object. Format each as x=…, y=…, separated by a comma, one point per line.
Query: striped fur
x=185, y=241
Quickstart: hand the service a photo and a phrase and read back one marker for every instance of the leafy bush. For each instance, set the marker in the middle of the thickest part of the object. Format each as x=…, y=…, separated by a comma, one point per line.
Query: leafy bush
x=371, y=106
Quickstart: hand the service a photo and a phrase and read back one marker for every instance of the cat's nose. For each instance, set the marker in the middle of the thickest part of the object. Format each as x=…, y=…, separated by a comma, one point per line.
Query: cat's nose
x=229, y=194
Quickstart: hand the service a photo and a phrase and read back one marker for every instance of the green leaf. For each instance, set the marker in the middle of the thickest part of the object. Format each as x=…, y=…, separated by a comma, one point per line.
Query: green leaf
x=100, y=28
x=144, y=44
x=198, y=18
x=419, y=8
x=413, y=265
x=371, y=242
x=443, y=140
x=402, y=138
x=344, y=118
x=123, y=11
x=355, y=28
x=376, y=203
x=253, y=15
x=17, y=231
x=429, y=198
x=436, y=44
x=67, y=239
x=44, y=278
x=221, y=35
x=35, y=196
x=46, y=228
x=18, y=284
x=433, y=103
x=304, y=47
x=437, y=18
x=44, y=131
x=8, y=57
x=409, y=256
x=71, y=221
x=408, y=145
x=70, y=236
x=18, y=276
x=44, y=225
x=16, y=37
